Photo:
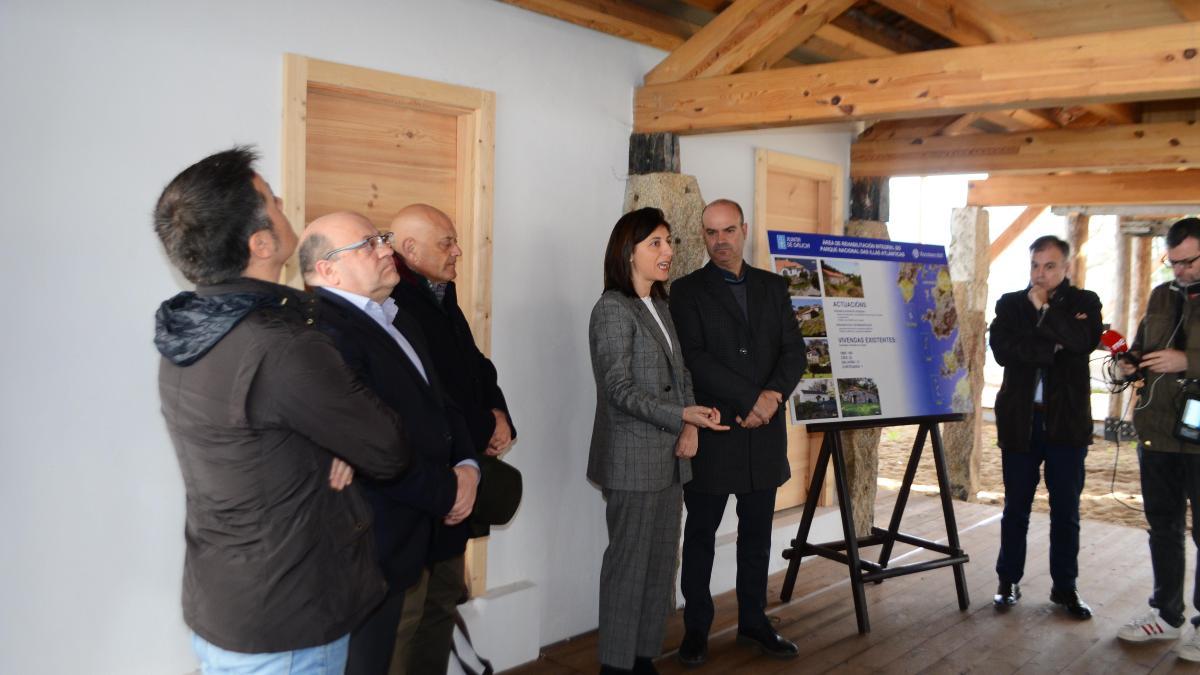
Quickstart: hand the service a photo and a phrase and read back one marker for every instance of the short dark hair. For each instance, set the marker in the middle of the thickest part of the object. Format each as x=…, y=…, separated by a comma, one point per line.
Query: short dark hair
x=314, y=248
x=723, y=202
x=207, y=214
x=1182, y=229
x=631, y=229
x=1046, y=241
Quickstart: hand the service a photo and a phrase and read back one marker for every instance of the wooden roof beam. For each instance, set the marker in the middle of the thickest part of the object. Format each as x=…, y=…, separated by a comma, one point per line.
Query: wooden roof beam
x=847, y=45
x=621, y=18
x=966, y=23
x=1188, y=10
x=969, y=23
x=804, y=25
x=740, y=32
x=1137, y=64
x=1147, y=187
x=1014, y=230
x=1130, y=147
x=1018, y=120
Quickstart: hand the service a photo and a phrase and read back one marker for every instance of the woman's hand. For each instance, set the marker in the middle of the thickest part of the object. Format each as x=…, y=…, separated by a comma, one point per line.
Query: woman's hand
x=688, y=442
x=703, y=416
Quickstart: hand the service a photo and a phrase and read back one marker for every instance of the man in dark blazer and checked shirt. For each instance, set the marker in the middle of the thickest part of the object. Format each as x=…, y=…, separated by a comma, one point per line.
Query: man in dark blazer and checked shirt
x=742, y=344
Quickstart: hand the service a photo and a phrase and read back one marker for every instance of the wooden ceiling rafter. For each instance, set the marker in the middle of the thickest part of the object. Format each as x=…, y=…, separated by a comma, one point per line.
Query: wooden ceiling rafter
x=1014, y=230
x=970, y=23
x=803, y=26
x=1135, y=64
x=1145, y=187
x=1127, y=148
x=741, y=32
x=1188, y=10
x=619, y=18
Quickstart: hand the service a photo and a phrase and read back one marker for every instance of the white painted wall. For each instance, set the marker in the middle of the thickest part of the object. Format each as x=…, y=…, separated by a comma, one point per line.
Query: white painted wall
x=723, y=164
x=105, y=102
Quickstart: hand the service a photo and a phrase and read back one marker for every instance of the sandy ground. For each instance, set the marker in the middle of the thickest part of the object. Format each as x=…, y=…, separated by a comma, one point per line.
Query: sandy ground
x=1104, y=498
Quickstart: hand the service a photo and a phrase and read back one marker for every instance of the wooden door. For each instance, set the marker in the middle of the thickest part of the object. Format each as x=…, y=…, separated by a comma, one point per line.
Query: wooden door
x=373, y=142
x=796, y=194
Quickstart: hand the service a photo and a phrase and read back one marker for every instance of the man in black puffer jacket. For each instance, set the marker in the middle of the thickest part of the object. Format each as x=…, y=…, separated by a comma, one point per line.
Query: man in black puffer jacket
x=1044, y=335
x=279, y=564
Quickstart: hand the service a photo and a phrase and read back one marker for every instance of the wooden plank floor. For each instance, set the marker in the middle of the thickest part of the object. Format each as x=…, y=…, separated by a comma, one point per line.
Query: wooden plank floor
x=916, y=626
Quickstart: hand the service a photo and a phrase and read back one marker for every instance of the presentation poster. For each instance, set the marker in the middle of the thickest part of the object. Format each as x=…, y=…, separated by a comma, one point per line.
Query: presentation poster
x=880, y=328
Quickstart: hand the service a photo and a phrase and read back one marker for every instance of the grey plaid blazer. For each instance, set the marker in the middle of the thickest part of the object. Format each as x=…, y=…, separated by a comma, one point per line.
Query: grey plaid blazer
x=642, y=387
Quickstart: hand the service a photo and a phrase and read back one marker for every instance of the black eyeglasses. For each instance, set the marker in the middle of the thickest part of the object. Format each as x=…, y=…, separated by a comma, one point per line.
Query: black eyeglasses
x=372, y=242
x=1186, y=262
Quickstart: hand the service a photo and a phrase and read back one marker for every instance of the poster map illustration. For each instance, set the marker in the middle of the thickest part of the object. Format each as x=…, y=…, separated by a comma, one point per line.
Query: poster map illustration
x=879, y=325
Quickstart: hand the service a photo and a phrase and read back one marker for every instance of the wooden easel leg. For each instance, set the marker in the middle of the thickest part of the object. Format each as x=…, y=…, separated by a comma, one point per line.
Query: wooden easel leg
x=910, y=474
x=796, y=552
x=847, y=511
x=939, y=460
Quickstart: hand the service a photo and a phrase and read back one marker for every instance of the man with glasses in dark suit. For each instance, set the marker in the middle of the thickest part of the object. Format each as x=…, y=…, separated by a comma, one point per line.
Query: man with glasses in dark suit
x=350, y=264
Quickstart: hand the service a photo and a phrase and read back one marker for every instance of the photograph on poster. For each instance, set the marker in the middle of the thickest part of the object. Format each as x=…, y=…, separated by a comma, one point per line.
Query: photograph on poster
x=819, y=363
x=810, y=314
x=801, y=273
x=842, y=279
x=859, y=397
x=814, y=400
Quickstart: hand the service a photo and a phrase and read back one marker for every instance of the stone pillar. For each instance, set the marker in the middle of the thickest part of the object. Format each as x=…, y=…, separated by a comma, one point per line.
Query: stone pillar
x=862, y=446
x=654, y=180
x=678, y=196
x=969, y=242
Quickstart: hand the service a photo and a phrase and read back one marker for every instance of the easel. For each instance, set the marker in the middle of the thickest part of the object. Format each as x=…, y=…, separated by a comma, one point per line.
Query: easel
x=863, y=571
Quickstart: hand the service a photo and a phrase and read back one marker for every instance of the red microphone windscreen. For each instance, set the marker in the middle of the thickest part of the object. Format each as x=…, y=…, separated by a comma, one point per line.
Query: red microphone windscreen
x=1114, y=341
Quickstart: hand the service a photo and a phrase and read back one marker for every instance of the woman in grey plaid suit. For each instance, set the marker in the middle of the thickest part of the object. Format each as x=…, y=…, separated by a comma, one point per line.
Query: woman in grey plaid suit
x=644, y=434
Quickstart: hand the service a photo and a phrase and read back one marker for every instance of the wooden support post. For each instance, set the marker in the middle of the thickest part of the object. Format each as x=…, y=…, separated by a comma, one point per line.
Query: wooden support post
x=1141, y=267
x=869, y=201
x=861, y=446
x=1077, y=236
x=1118, y=316
x=968, y=273
x=653, y=153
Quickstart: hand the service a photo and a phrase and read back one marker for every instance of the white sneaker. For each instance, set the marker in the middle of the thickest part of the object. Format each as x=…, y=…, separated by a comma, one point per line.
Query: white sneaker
x=1189, y=649
x=1148, y=626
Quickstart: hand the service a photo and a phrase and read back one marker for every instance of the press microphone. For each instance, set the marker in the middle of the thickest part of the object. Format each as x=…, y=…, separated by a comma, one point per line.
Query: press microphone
x=1114, y=342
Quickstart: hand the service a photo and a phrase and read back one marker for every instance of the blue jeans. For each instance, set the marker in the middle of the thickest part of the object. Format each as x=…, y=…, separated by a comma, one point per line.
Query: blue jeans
x=327, y=659
x=1064, y=481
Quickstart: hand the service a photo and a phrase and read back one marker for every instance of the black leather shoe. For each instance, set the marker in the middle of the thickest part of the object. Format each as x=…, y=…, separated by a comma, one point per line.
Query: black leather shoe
x=613, y=670
x=1006, y=595
x=1070, y=601
x=770, y=643
x=693, y=651
x=644, y=665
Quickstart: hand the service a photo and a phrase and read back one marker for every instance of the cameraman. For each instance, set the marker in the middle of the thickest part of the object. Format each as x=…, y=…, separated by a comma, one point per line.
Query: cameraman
x=1168, y=346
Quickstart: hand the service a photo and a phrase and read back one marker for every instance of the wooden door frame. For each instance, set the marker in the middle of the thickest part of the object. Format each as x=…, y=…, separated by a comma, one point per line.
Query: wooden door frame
x=475, y=110
x=764, y=161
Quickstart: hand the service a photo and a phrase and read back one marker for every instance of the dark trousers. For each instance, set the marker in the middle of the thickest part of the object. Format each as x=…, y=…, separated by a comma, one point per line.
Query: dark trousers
x=755, y=511
x=1064, y=480
x=1169, y=482
x=371, y=643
